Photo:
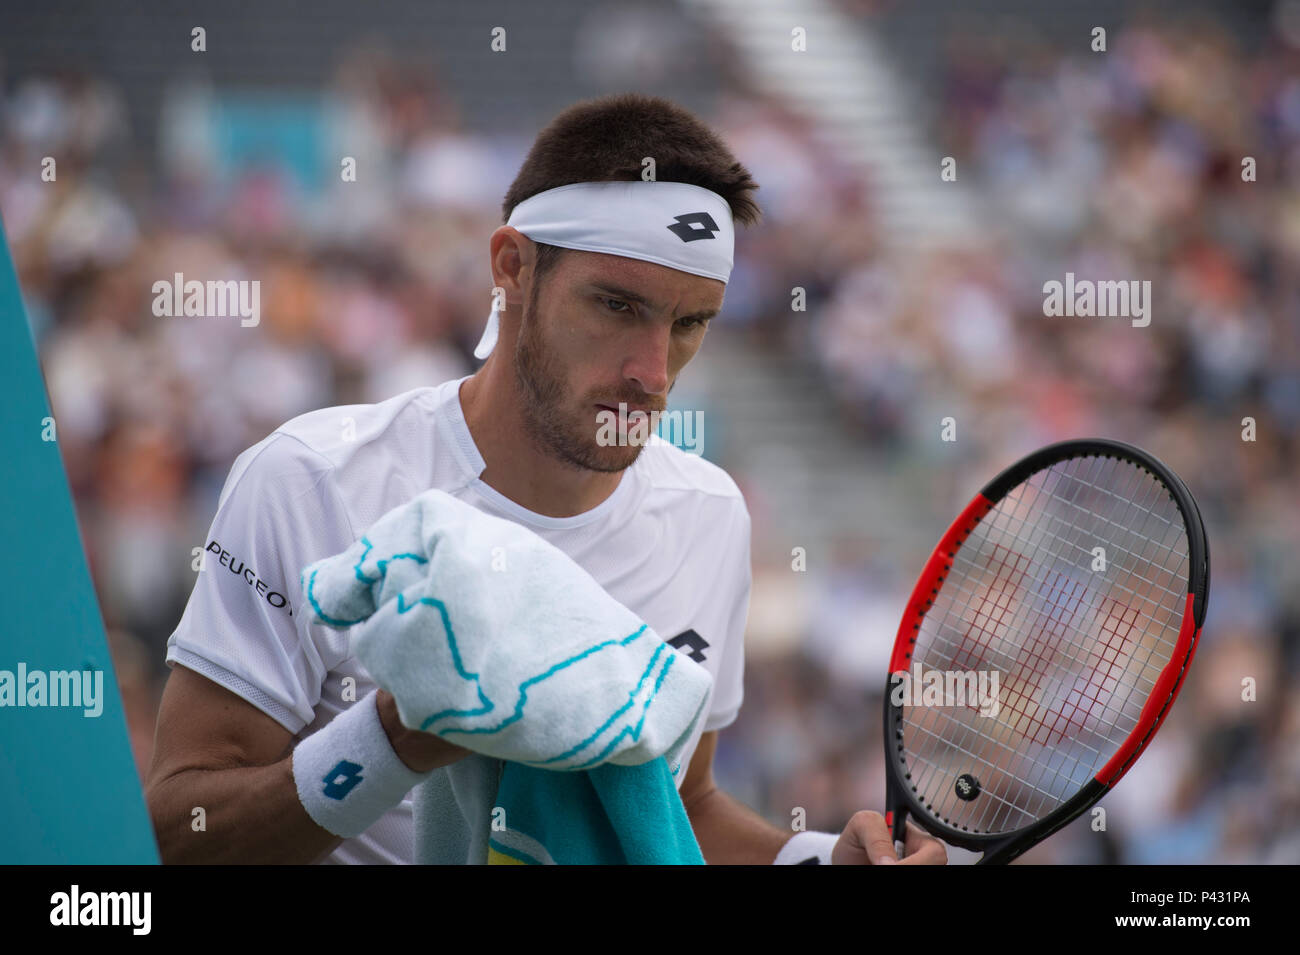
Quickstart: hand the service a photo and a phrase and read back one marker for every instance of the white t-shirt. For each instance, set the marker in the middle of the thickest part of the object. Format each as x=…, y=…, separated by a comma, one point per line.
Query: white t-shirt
x=671, y=543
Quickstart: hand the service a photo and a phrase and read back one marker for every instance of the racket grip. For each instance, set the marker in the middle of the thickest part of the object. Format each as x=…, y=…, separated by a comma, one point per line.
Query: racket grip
x=896, y=820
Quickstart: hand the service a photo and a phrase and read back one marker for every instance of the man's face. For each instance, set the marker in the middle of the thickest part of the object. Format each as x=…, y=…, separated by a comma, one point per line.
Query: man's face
x=605, y=329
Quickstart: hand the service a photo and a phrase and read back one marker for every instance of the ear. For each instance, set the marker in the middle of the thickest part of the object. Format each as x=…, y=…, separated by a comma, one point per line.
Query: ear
x=510, y=252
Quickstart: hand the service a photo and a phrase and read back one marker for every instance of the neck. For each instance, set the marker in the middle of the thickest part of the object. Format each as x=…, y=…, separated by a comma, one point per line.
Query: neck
x=514, y=464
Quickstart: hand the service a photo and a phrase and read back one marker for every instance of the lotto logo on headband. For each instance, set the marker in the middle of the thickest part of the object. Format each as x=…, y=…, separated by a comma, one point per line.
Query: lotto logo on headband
x=684, y=229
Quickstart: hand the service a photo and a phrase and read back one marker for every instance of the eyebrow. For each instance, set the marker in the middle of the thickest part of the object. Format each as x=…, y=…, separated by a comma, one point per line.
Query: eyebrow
x=628, y=295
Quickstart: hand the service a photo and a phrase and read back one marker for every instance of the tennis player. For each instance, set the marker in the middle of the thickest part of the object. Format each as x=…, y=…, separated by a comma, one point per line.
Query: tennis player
x=604, y=284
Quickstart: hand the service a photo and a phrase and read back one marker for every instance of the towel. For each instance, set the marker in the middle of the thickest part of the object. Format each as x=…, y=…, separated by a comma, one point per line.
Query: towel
x=609, y=815
x=494, y=639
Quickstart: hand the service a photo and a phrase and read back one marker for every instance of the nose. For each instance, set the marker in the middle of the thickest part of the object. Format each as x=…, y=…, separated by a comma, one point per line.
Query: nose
x=647, y=366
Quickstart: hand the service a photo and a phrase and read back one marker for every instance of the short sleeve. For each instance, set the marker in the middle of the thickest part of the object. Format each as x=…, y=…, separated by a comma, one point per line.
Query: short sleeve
x=243, y=625
x=729, y=688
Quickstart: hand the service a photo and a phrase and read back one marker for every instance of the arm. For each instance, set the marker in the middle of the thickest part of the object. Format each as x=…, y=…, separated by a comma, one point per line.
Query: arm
x=730, y=833
x=215, y=750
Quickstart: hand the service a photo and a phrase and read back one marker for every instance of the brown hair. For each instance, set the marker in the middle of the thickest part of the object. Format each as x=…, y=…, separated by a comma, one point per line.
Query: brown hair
x=605, y=139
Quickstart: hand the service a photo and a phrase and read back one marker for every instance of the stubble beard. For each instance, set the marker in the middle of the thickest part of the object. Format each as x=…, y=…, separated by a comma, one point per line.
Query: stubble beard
x=569, y=438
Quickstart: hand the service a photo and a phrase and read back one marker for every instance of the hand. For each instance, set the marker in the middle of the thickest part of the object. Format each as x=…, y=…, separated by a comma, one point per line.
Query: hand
x=866, y=840
x=420, y=751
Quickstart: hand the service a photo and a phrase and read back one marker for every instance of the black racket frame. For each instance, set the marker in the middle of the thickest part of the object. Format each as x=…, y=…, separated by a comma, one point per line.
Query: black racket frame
x=1001, y=848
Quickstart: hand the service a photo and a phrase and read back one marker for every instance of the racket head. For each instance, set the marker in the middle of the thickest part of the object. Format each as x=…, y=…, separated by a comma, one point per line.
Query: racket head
x=1091, y=661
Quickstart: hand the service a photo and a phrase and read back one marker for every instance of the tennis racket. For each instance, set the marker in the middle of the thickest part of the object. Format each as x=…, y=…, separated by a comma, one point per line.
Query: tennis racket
x=1079, y=576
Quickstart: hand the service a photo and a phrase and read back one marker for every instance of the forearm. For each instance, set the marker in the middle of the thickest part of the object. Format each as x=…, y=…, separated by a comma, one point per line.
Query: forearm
x=252, y=815
x=730, y=833
x=256, y=814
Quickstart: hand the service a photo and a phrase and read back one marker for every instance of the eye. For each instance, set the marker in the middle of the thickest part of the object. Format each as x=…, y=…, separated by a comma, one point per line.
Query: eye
x=689, y=323
x=616, y=301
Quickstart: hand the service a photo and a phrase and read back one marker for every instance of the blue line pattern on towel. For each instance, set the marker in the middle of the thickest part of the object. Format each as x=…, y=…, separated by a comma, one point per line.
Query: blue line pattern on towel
x=488, y=704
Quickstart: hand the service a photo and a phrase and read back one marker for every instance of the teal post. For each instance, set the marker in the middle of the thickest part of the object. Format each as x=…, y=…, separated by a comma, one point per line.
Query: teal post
x=69, y=791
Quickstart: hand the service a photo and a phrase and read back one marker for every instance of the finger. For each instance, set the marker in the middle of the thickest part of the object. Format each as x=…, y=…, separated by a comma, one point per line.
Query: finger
x=875, y=838
x=932, y=853
x=920, y=848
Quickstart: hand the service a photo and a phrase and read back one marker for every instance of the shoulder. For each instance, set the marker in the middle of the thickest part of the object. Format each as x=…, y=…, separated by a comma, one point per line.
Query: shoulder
x=689, y=480
x=337, y=434
x=332, y=442
x=668, y=467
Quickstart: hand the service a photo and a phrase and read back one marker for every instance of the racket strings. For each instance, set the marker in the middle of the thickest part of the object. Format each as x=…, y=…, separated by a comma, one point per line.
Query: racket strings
x=1065, y=604
x=1014, y=700
x=1035, y=654
x=1080, y=648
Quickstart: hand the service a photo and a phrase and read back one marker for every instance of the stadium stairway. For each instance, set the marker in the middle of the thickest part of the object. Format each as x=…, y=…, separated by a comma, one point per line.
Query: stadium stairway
x=858, y=104
x=816, y=479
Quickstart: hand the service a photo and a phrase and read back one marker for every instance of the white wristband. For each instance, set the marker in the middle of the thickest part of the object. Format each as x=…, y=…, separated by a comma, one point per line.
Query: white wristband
x=807, y=848
x=347, y=773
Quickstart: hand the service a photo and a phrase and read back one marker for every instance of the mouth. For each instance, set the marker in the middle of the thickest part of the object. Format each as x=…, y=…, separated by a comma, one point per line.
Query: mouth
x=631, y=409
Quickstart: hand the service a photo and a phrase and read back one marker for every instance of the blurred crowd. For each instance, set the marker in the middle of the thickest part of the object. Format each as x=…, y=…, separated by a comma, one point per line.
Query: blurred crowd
x=1124, y=165
x=1120, y=166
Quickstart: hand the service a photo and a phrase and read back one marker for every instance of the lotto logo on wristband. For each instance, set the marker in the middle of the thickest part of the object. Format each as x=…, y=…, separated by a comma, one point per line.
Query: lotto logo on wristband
x=342, y=779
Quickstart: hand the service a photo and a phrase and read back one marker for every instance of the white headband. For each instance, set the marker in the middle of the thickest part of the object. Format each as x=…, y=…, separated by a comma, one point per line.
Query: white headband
x=670, y=223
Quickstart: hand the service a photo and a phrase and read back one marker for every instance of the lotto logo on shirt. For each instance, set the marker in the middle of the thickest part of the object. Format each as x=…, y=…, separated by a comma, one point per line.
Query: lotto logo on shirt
x=250, y=576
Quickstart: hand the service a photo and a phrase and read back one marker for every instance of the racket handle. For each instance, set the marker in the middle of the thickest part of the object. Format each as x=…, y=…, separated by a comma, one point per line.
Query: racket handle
x=896, y=820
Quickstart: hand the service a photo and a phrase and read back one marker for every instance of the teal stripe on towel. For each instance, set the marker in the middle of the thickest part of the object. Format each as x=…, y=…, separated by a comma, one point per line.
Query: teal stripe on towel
x=609, y=815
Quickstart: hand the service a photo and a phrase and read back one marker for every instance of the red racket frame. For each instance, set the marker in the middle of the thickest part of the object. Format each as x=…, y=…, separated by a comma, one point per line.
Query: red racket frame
x=901, y=798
